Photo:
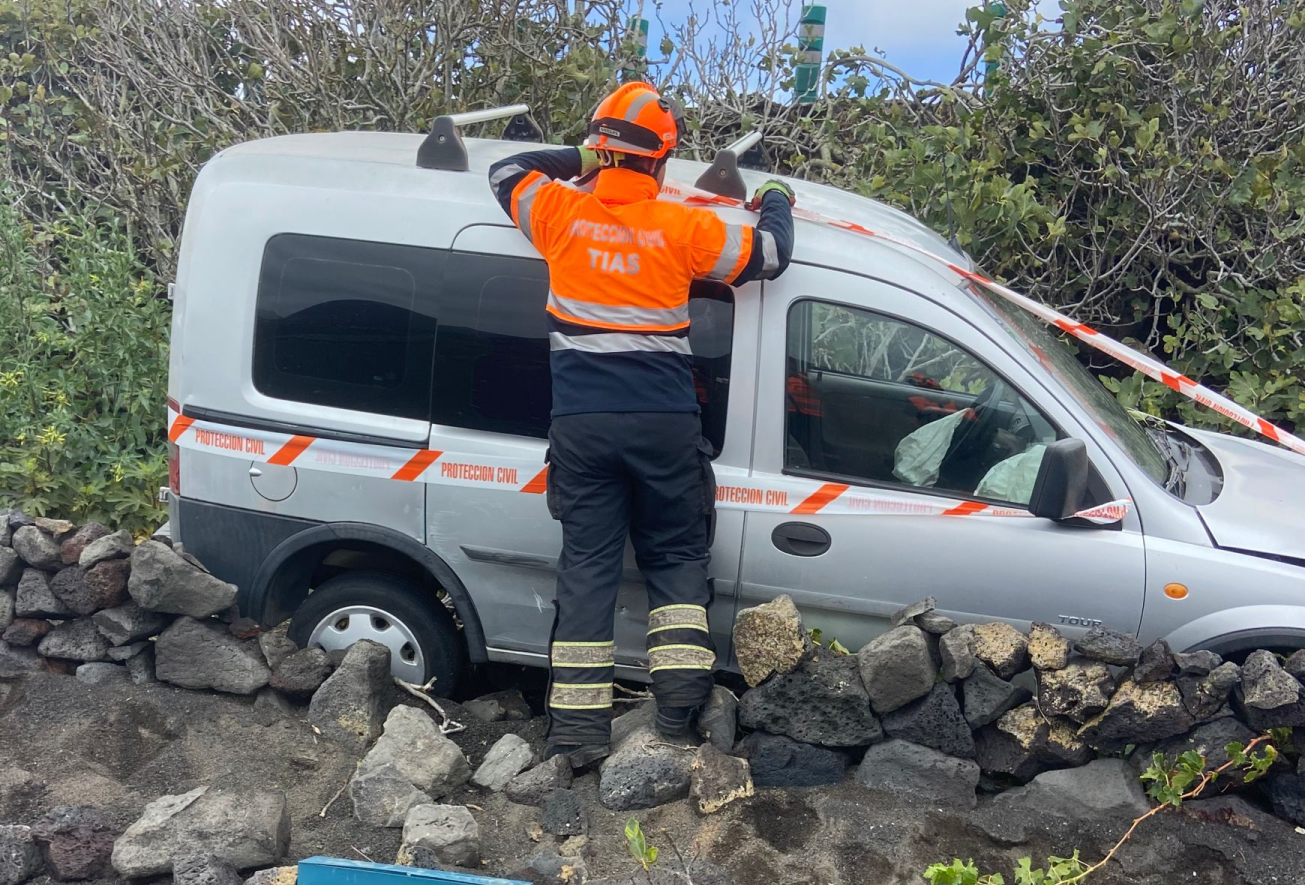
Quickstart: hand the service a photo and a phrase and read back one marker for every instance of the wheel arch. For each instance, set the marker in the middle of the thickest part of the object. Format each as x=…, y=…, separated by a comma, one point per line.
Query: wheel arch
x=286, y=574
x=1243, y=629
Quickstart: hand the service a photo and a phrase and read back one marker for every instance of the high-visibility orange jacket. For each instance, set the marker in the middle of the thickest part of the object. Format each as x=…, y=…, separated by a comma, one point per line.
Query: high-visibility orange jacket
x=620, y=265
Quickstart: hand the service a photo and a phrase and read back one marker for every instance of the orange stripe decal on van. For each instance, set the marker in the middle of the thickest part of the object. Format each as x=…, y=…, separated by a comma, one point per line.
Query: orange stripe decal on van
x=180, y=426
x=817, y=500
x=416, y=464
x=539, y=484
x=965, y=509
x=769, y=494
x=286, y=455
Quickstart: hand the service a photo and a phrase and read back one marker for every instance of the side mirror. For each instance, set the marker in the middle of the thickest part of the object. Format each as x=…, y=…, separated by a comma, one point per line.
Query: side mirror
x=1062, y=480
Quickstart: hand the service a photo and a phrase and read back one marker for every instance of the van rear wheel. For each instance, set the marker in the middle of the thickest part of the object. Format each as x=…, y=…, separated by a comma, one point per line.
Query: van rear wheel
x=423, y=640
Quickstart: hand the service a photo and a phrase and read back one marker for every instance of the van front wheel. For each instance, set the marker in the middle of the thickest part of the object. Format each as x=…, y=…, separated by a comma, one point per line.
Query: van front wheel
x=424, y=642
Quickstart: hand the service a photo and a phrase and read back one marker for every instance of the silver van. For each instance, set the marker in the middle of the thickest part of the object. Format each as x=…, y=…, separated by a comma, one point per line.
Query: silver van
x=359, y=398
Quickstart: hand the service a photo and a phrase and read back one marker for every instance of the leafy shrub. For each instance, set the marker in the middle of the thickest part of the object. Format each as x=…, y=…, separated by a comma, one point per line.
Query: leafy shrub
x=1170, y=784
x=83, y=372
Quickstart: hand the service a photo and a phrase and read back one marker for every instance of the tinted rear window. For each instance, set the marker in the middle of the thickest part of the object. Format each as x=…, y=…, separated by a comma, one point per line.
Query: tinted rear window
x=347, y=324
x=352, y=324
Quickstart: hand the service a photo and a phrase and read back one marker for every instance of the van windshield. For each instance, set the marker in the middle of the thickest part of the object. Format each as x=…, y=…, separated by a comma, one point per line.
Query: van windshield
x=1059, y=360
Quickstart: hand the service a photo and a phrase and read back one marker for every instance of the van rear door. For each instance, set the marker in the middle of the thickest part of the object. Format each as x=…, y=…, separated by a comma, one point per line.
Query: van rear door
x=293, y=337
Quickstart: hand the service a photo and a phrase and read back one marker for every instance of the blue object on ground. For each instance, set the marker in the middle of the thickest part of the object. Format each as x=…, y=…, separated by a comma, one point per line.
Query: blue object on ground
x=337, y=871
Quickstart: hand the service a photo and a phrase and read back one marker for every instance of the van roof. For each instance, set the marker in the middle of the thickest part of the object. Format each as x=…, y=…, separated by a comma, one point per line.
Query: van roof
x=343, y=151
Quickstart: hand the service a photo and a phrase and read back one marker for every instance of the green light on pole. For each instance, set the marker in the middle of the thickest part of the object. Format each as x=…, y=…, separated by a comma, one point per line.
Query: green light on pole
x=639, y=34
x=811, y=44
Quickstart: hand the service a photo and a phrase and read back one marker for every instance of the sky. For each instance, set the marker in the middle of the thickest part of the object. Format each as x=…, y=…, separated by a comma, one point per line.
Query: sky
x=918, y=36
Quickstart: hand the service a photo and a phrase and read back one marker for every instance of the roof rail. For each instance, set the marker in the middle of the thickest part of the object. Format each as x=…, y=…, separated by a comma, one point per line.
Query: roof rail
x=443, y=148
x=722, y=176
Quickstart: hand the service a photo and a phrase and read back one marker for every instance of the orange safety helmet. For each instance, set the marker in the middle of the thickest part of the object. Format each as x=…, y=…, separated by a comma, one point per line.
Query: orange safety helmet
x=635, y=120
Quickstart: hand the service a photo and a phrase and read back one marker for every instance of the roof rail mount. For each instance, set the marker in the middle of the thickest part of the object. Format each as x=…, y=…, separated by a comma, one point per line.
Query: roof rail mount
x=443, y=148
x=722, y=176
x=522, y=127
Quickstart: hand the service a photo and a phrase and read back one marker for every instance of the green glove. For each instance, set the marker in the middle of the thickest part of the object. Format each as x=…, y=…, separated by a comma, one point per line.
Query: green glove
x=588, y=160
x=773, y=185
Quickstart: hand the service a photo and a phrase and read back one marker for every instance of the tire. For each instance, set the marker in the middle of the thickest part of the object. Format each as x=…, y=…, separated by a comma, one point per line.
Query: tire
x=423, y=640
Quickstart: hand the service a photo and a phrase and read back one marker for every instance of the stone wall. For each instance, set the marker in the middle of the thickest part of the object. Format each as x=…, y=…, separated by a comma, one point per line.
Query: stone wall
x=93, y=604
x=945, y=711
x=90, y=602
x=929, y=710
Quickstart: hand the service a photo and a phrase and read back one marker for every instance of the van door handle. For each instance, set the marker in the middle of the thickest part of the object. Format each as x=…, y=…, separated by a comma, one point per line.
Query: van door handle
x=800, y=539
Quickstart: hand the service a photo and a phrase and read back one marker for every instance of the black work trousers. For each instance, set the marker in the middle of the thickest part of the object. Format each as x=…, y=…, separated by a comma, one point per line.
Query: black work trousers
x=646, y=476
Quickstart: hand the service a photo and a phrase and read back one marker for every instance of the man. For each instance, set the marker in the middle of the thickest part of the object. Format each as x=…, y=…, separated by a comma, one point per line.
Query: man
x=626, y=453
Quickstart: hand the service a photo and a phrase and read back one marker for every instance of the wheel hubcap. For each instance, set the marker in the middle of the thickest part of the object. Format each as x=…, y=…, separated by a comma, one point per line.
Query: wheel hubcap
x=345, y=626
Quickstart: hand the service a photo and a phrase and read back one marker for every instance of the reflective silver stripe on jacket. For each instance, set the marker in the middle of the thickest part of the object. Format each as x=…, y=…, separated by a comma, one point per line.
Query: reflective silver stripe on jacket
x=729, y=253
x=619, y=314
x=525, y=201
x=496, y=180
x=618, y=342
x=769, y=254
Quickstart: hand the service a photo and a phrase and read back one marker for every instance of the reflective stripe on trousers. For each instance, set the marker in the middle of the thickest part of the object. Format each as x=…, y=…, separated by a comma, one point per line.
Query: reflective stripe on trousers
x=582, y=674
x=678, y=639
x=613, y=477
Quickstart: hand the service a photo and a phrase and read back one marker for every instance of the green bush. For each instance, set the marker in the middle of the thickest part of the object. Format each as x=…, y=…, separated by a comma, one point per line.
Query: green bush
x=83, y=373
x=1170, y=783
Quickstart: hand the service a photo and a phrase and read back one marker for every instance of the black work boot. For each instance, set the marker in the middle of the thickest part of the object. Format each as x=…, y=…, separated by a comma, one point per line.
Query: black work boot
x=579, y=755
x=675, y=723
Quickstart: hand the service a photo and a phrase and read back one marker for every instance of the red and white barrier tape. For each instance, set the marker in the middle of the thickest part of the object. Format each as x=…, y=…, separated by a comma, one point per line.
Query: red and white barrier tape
x=356, y=459
x=1147, y=365
x=773, y=494
x=735, y=489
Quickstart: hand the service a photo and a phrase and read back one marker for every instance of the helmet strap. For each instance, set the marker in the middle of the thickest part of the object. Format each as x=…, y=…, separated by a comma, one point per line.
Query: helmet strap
x=619, y=160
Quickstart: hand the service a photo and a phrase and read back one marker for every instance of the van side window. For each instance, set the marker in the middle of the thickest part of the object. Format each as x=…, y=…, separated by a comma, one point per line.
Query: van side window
x=347, y=324
x=711, y=337
x=491, y=357
x=491, y=360
x=872, y=398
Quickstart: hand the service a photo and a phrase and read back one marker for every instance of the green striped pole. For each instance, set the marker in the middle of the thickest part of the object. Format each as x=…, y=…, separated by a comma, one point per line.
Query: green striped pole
x=998, y=10
x=811, y=44
x=639, y=33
